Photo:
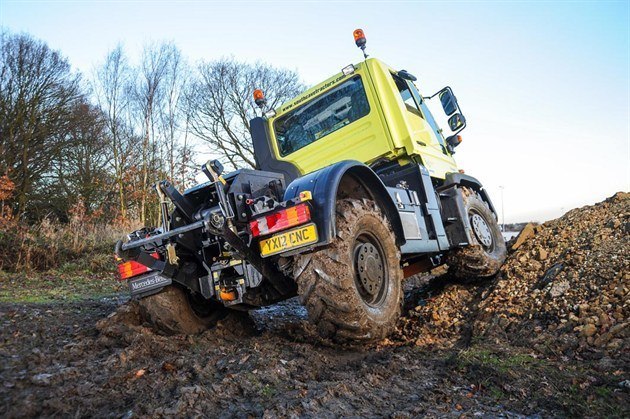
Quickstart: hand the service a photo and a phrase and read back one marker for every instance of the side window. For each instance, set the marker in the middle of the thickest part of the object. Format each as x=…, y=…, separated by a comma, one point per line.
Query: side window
x=407, y=97
x=426, y=114
x=410, y=95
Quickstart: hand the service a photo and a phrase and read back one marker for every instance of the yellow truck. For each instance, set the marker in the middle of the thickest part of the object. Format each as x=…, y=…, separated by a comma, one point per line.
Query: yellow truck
x=355, y=189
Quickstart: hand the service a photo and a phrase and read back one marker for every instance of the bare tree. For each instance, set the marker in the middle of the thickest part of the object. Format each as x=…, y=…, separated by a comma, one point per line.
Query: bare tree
x=56, y=147
x=222, y=105
x=150, y=91
x=112, y=86
x=172, y=115
x=38, y=92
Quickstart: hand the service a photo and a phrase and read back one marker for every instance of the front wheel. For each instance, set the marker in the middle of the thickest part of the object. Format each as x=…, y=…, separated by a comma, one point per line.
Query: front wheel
x=486, y=253
x=172, y=311
x=352, y=290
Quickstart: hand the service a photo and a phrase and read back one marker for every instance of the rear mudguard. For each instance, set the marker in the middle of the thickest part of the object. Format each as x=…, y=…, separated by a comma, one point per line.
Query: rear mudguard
x=456, y=221
x=324, y=184
x=470, y=182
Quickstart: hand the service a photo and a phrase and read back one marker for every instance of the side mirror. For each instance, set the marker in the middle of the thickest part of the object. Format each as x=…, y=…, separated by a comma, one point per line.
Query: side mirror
x=449, y=102
x=456, y=122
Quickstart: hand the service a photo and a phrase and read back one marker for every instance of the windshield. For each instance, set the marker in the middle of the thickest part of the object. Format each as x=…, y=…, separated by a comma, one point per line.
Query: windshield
x=326, y=114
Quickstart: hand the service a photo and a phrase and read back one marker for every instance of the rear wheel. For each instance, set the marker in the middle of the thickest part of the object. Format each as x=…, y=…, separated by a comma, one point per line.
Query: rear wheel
x=172, y=311
x=487, y=251
x=353, y=288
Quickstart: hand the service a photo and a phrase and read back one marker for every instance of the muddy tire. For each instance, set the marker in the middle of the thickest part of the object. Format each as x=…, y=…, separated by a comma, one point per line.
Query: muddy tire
x=352, y=289
x=170, y=312
x=486, y=253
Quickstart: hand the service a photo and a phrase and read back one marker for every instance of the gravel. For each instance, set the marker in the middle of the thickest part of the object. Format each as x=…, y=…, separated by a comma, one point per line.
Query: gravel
x=563, y=291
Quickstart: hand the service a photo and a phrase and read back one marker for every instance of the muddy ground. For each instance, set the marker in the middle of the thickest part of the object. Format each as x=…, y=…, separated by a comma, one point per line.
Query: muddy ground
x=71, y=359
x=548, y=336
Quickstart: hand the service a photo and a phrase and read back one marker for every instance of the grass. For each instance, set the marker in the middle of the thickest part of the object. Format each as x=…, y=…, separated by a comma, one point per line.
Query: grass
x=513, y=374
x=83, y=242
x=503, y=363
x=53, y=262
x=57, y=285
x=268, y=391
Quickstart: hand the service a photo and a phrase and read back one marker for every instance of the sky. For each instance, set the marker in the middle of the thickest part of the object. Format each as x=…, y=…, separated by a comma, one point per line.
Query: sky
x=544, y=86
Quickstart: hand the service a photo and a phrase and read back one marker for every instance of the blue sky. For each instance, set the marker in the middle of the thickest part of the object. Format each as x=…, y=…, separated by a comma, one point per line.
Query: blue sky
x=544, y=85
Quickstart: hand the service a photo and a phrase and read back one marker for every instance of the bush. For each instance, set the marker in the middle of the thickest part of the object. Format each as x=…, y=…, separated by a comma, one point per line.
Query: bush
x=81, y=244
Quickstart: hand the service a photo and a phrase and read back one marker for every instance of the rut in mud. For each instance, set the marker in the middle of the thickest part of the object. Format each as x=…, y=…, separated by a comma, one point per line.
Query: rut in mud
x=57, y=363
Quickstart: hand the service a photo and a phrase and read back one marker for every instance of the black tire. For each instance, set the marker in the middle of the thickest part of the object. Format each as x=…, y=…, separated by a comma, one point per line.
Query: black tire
x=171, y=312
x=486, y=253
x=344, y=304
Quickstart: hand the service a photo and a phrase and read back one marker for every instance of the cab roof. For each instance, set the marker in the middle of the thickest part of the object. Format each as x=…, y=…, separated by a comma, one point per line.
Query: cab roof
x=316, y=90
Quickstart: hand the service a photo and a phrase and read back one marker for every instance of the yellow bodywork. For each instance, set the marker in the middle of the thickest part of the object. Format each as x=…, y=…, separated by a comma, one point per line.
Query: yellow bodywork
x=389, y=131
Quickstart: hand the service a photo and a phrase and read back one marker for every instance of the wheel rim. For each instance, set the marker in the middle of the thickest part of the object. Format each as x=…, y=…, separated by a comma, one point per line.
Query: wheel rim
x=371, y=277
x=482, y=230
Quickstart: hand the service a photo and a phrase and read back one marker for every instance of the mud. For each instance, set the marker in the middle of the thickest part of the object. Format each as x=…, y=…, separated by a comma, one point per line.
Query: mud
x=96, y=358
x=65, y=360
x=538, y=340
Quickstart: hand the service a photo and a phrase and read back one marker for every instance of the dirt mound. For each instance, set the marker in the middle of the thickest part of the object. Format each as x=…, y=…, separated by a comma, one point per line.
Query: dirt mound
x=566, y=286
x=563, y=289
x=441, y=315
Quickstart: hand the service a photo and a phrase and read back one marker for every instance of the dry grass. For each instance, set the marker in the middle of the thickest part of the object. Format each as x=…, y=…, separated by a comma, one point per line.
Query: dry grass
x=83, y=243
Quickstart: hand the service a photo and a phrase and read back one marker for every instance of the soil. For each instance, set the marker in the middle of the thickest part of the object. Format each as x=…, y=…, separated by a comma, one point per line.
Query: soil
x=497, y=348
x=564, y=291
x=77, y=359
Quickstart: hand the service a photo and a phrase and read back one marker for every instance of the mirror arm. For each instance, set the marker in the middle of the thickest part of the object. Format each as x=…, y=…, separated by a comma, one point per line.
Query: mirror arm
x=436, y=93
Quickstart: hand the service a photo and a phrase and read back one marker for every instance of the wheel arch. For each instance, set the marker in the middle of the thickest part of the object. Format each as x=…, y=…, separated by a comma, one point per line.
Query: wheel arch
x=460, y=179
x=348, y=178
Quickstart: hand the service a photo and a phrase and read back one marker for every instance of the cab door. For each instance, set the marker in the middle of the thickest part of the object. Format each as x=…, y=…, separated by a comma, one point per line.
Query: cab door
x=426, y=138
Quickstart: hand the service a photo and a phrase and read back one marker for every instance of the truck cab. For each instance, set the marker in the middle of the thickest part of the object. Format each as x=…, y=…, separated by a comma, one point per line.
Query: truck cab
x=368, y=112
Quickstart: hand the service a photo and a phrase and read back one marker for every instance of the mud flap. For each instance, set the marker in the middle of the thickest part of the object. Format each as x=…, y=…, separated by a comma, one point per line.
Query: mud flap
x=147, y=284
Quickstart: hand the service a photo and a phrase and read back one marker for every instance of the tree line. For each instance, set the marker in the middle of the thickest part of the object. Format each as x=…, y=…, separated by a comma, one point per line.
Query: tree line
x=104, y=139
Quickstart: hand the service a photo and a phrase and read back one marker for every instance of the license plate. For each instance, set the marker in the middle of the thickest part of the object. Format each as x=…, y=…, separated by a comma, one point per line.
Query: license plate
x=288, y=240
x=147, y=283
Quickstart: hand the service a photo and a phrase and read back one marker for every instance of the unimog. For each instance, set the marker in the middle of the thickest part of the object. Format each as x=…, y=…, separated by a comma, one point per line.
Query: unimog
x=355, y=188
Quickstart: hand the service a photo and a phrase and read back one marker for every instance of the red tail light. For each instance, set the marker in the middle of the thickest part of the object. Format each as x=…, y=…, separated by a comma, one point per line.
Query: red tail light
x=132, y=268
x=280, y=220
